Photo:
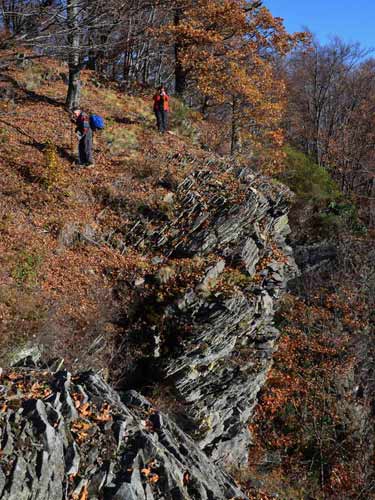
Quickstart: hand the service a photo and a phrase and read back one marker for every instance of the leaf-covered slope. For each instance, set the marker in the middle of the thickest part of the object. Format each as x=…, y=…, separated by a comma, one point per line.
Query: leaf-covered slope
x=59, y=246
x=162, y=267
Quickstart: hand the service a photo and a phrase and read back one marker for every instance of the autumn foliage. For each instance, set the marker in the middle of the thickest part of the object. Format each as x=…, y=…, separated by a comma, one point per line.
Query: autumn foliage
x=67, y=265
x=330, y=114
x=308, y=414
x=226, y=59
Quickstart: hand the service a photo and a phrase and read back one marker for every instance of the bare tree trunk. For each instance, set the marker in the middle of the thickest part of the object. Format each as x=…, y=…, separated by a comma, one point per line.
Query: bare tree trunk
x=204, y=107
x=146, y=64
x=74, y=86
x=180, y=74
x=235, y=143
x=13, y=15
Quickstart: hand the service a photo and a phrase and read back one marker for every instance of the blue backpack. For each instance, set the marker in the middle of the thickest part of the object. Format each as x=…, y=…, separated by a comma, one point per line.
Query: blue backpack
x=96, y=122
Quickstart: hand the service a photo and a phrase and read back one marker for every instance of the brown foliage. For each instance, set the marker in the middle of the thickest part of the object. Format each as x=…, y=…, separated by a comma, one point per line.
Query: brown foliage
x=331, y=99
x=308, y=412
x=227, y=51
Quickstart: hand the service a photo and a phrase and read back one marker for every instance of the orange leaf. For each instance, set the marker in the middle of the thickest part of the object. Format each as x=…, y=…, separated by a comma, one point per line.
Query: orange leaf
x=84, y=410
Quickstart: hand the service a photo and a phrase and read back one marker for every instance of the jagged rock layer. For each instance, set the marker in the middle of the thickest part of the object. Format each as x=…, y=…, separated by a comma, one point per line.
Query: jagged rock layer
x=228, y=227
x=201, y=320
x=65, y=437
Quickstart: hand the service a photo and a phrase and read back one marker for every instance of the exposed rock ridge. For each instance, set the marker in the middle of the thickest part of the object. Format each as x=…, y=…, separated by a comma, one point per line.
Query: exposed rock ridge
x=233, y=224
x=67, y=437
x=203, y=316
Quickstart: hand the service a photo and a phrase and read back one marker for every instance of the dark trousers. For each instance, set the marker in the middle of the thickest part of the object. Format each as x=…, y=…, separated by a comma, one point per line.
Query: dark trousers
x=162, y=119
x=85, y=149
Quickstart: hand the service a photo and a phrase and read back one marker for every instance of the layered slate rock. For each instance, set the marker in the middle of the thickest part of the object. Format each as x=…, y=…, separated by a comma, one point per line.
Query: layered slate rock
x=71, y=437
x=213, y=334
x=201, y=324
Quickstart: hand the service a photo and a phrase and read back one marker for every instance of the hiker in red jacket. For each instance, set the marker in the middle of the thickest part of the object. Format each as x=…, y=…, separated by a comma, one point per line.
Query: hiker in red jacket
x=161, y=109
x=84, y=134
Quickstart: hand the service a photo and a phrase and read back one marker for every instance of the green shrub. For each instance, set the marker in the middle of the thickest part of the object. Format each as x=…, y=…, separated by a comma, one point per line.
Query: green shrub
x=52, y=166
x=307, y=180
x=339, y=217
x=182, y=119
x=25, y=272
x=317, y=194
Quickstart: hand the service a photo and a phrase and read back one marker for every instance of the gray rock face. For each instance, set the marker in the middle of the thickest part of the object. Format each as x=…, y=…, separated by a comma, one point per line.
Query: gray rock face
x=105, y=449
x=222, y=325
x=71, y=234
x=205, y=312
x=30, y=351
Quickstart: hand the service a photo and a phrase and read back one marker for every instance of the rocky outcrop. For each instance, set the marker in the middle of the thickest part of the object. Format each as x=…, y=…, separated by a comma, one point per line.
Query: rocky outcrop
x=200, y=322
x=72, y=437
x=213, y=334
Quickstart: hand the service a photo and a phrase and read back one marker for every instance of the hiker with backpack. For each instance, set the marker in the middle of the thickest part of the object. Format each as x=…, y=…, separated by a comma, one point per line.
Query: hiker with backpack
x=84, y=133
x=86, y=125
x=161, y=109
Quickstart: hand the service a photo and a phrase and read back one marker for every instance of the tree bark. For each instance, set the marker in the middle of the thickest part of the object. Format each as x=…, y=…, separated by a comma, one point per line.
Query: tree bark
x=180, y=73
x=74, y=86
x=235, y=143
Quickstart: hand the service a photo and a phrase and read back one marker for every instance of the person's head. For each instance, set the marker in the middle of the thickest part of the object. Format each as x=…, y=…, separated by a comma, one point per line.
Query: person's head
x=161, y=89
x=76, y=112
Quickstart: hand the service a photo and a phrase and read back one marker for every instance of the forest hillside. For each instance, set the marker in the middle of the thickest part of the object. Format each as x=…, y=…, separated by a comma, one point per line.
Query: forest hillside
x=191, y=315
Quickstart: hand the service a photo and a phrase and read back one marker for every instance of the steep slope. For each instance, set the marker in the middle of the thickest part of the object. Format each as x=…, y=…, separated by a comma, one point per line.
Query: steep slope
x=59, y=233
x=161, y=268
x=322, y=369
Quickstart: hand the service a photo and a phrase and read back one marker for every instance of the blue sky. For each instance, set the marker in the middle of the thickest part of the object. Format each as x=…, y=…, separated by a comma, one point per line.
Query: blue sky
x=351, y=20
